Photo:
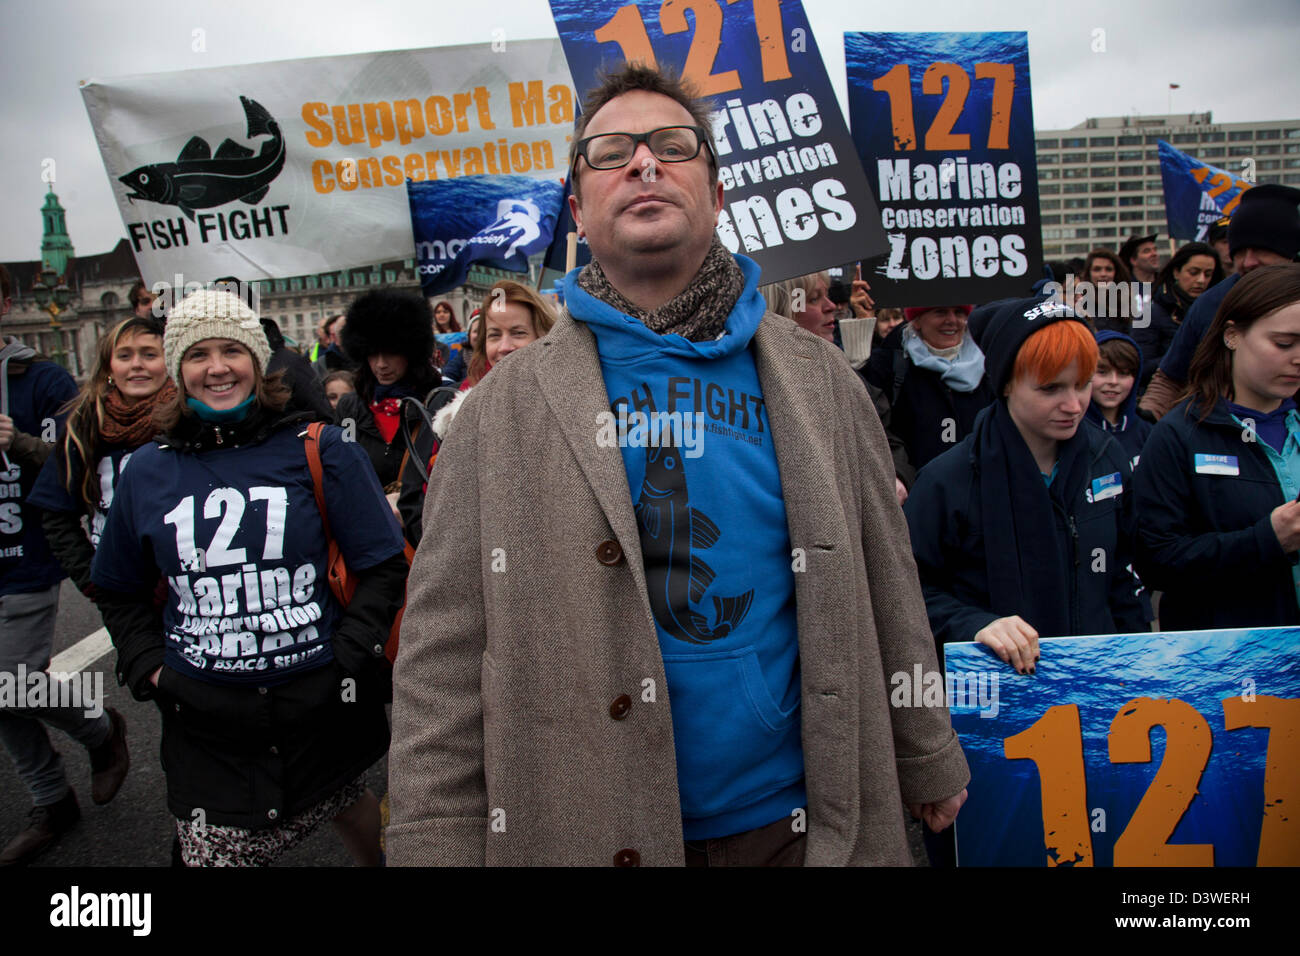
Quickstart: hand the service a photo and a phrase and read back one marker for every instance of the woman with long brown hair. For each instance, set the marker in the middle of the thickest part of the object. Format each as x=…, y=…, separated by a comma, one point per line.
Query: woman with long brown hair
x=1218, y=519
x=110, y=418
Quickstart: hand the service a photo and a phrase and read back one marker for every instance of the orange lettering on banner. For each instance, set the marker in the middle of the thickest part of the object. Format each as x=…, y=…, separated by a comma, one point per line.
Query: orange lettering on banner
x=1279, y=837
x=1003, y=76
x=627, y=29
x=561, y=103
x=413, y=167
x=437, y=115
x=311, y=115
x=319, y=171
x=409, y=119
x=379, y=124
x=526, y=107
x=481, y=96
x=704, y=44
x=1144, y=841
x=897, y=85
x=940, y=135
x=392, y=171
x=348, y=127
x=368, y=172
x=1055, y=744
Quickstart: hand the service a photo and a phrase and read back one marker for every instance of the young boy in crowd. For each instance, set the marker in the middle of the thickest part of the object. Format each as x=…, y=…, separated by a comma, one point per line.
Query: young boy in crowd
x=1114, y=395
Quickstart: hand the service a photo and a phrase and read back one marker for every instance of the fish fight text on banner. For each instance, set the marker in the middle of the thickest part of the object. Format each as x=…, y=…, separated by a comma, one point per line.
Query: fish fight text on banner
x=1197, y=195
x=944, y=126
x=1165, y=749
x=796, y=197
x=298, y=167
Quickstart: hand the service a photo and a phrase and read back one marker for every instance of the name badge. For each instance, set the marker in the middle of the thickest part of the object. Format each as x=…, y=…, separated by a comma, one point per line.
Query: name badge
x=1107, y=487
x=1217, y=465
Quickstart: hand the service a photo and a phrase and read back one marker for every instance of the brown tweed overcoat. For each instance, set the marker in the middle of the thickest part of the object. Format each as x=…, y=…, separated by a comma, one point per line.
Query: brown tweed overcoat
x=522, y=642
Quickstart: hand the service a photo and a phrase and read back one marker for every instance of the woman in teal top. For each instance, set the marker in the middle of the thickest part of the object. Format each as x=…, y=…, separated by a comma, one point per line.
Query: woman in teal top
x=1218, y=519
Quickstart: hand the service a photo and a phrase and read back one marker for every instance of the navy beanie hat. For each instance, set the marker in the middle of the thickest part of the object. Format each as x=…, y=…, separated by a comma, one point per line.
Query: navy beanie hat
x=1268, y=217
x=1010, y=326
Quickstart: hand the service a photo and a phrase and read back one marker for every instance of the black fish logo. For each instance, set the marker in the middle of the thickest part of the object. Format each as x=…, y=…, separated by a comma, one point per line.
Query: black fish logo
x=671, y=531
x=199, y=180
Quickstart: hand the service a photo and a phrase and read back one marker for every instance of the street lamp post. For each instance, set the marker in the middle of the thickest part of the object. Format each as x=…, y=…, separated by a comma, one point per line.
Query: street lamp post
x=53, y=295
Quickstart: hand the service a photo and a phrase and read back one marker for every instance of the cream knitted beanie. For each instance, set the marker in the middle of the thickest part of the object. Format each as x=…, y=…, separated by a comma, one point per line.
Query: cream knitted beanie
x=212, y=314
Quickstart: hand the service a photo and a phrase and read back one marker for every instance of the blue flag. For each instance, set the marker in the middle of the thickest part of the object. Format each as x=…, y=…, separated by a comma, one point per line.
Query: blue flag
x=1196, y=194
x=497, y=220
x=557, y=254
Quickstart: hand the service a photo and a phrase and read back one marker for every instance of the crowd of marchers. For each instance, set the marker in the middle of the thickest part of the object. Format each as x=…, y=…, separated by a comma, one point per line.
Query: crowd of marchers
x=620, y=627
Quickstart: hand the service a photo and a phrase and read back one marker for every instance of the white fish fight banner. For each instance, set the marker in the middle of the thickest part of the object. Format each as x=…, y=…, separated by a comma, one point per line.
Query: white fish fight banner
x=300, y=166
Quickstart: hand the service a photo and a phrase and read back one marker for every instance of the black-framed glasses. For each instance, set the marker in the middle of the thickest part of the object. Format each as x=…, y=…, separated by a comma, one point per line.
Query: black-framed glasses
x=668, y=144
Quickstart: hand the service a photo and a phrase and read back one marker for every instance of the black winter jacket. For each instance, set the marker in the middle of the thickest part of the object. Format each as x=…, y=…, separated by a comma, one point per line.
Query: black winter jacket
x=944, y=517
x=385, y=457
x=1205, y=539
x=253, y=757
x=922, y=405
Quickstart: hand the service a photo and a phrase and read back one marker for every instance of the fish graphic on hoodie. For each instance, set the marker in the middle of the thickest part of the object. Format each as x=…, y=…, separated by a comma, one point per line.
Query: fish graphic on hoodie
x=715, y=545
x=672, y=535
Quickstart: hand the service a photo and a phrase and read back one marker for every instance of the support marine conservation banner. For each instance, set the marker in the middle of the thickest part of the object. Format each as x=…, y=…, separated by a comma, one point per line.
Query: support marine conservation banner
x=296, y=167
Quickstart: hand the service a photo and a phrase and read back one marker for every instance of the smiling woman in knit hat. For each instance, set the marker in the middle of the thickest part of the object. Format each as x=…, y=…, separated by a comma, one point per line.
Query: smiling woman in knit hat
x=244, y=647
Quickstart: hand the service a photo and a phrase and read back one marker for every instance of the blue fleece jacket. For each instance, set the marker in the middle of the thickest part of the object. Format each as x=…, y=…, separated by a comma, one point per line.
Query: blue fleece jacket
x=702, y=473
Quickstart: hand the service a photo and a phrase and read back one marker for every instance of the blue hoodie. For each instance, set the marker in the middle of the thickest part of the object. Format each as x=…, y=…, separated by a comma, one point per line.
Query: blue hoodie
x=1132, y=430
x=717, y=554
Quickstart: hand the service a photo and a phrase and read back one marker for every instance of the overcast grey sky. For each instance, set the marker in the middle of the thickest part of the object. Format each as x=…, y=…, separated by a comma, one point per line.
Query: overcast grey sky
x=1237, y=59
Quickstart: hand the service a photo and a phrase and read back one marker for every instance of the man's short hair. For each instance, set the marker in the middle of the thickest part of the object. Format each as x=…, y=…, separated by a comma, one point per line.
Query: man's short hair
x=6, y=284
x=638, y=76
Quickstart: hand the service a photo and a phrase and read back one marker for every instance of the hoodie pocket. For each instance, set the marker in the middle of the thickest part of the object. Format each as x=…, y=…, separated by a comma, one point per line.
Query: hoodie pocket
x=735, y=743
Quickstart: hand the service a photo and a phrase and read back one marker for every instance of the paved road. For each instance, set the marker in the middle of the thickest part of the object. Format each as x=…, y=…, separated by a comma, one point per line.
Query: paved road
x=136, y=828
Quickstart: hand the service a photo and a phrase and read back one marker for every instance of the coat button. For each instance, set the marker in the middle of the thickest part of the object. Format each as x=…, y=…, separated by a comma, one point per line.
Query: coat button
x=609, y=552
x=261, y=690
x=378, y=650
x=627, y=857
x=272, y=814
x=620, y=707
x=275, y=749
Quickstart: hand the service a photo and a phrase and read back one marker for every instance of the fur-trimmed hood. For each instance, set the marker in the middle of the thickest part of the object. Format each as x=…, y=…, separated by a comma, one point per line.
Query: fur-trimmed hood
x=396, y=323
x=442, y=420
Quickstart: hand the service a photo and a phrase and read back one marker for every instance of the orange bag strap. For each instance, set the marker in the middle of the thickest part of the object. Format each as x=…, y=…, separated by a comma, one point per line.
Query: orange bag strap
x=312, y=443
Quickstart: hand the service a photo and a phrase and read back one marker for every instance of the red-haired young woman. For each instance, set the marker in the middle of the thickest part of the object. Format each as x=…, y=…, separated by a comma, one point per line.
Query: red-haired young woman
x=1024, y=529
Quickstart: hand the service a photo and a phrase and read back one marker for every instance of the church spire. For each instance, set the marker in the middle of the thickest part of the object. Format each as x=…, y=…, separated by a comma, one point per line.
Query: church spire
x=56, y=244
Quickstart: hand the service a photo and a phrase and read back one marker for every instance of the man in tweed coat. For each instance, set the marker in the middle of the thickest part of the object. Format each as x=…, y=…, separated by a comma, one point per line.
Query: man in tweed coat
x=694, y=582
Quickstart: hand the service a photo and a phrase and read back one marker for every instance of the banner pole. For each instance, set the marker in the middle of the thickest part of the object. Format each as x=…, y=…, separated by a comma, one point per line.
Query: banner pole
x=570, y=252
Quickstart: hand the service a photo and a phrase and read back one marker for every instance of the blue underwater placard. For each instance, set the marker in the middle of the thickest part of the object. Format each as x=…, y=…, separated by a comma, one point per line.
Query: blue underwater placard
x=944, y=126
x=1164, y=749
